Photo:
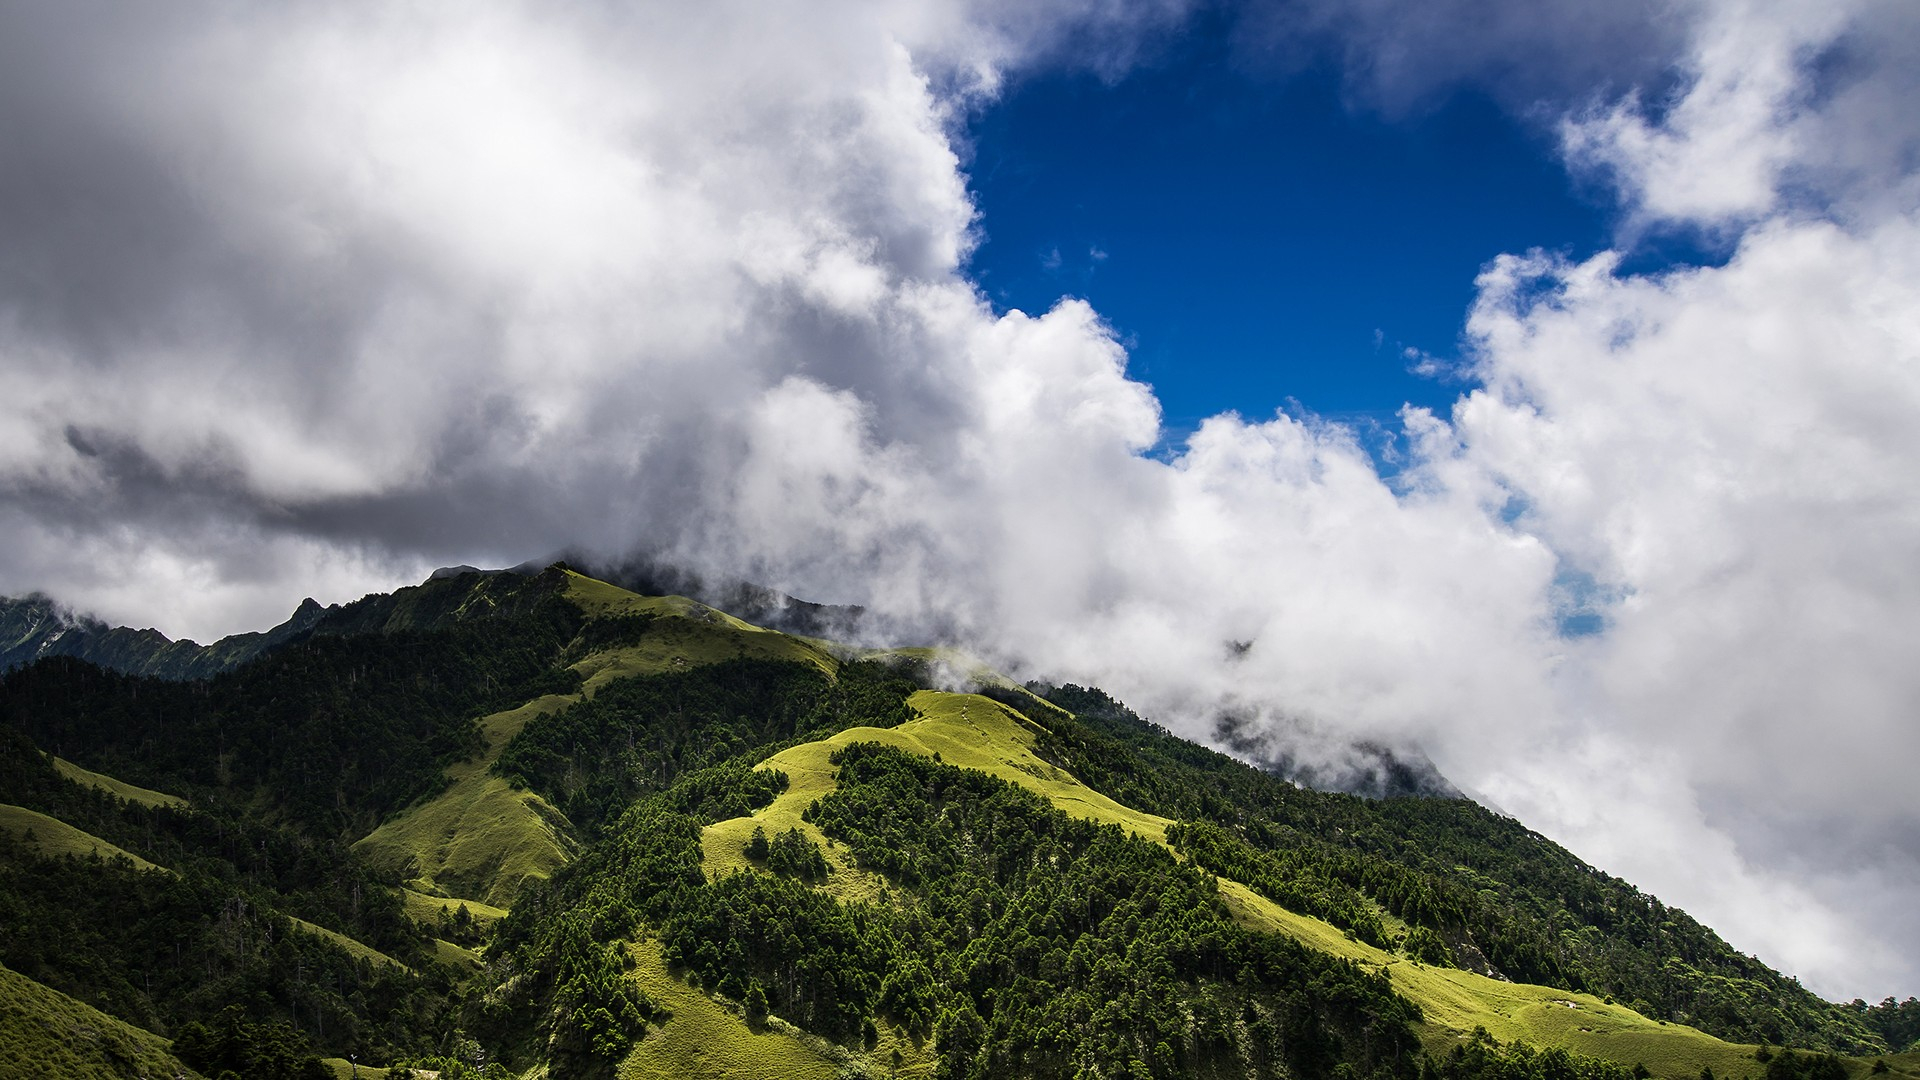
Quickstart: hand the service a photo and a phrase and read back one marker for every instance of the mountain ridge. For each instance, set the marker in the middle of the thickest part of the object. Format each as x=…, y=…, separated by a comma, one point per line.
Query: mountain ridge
x=712, y=735
x=36, y=626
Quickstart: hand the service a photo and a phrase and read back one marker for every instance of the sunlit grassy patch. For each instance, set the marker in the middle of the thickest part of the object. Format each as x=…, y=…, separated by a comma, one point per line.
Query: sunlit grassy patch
x=427, y=910
x=356, y=949
x=965, y=730
x=705, y=1038
x=978, y=733
x=51, y=836
x=46, y=1033
x=479, y=839
x=119, y=788
x=457, y=957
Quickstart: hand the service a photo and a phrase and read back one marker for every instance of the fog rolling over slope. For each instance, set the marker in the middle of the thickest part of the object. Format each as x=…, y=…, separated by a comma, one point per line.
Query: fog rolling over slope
x=531, y=823
x=309, y=301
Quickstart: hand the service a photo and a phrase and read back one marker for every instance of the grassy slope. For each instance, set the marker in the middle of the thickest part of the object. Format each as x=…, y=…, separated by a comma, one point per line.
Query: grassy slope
x=55, y=837
x=1455, y=1002
x=46, y=1033
x=353, y=948
x=979, y=733
x=478, y=840
x=459, y=958
x=685, y=634
x=705, y=1038
x=965, y=730
x=120, y=788
x=347, y=1070
x=426, y=910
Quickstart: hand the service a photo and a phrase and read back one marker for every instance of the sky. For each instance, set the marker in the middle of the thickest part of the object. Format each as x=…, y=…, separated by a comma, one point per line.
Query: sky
x=1527, y=384
x=1256, y=241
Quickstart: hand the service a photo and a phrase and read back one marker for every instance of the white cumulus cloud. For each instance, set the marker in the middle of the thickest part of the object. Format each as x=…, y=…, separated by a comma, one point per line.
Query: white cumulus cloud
x=311, y=298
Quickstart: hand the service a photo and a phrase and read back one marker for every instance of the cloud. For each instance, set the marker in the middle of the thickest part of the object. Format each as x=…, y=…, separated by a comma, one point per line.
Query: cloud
x=1729, y=452
x=1401, y=56
x=309, y=299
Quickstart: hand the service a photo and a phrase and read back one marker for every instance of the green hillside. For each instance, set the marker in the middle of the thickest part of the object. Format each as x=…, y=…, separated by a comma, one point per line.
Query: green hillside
x=479, y=839
x=118, y=788
x=52, y=837
x=979, y=733
x=46, y=1033
x=542, y=824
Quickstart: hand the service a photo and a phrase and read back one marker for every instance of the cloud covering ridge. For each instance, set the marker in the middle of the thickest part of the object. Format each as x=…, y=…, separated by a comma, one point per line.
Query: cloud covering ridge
x=312, y=299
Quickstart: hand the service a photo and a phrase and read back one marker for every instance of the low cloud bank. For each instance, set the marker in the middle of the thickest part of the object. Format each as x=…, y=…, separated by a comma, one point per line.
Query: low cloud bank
x=309, y=300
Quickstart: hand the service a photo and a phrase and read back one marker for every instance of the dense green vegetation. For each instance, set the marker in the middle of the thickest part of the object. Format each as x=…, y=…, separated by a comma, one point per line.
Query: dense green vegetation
x=285, y=759
x=1050, y=945
x=1897, y=1022
x=235, y=1045
x=210, y=932
x=1502, y=898
x=311, y=878
x=1055, y=944
x=338, y=732
x=638, y=736
x=913, y=905
x=162, y=950
x=44, y=1033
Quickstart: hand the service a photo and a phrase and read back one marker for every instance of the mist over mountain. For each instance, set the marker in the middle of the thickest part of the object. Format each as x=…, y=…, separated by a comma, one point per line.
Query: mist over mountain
x=308, y=300
x=530, y=823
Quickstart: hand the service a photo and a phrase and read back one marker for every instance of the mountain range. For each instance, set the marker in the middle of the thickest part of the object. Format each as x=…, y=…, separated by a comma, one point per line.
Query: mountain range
x=586, y=821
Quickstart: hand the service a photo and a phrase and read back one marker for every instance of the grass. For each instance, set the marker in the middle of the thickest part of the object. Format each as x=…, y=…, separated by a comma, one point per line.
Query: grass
x=479, y=840
x=46, y=1033
x=346, y=1070
x=978, y=733
x=1455, y=1002
x=51, y=836
x=119, y=788
x=426, y=910
x=353, y=948
x=1900, y=1066
x=963, y=729
x=707, y=1038
x=685, y=634
x=459, y=958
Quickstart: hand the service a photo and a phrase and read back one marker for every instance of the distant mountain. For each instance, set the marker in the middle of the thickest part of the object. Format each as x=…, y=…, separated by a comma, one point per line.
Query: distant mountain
x=533, y=823
x=33, y=627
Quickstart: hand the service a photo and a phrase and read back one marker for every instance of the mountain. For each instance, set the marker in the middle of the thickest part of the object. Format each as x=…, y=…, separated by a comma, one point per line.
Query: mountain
x=33, y=627
x=532, y=823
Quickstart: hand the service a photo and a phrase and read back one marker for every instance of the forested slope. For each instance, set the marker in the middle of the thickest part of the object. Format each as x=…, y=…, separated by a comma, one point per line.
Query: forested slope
x=817, y=858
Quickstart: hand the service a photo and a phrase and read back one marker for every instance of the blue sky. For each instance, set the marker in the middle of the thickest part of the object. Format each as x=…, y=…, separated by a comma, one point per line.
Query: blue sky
x=1258, y=240
x=307, y=300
